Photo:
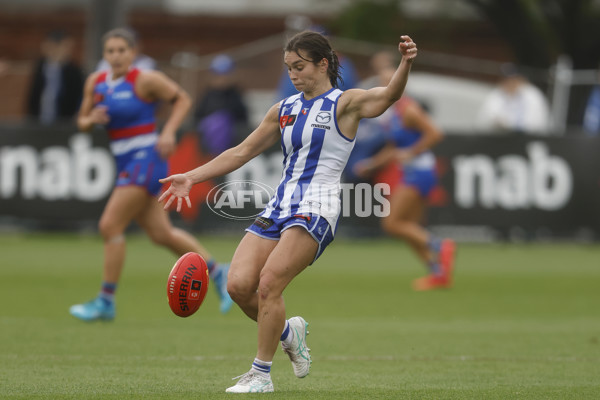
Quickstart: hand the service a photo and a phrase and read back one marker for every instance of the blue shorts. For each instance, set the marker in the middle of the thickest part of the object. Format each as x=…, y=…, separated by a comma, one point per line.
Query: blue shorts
x=424, y=180
x=315, y=225
x=143, y=168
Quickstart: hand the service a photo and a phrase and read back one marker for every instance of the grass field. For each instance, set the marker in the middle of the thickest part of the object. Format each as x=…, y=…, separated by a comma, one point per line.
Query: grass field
x=522, y=322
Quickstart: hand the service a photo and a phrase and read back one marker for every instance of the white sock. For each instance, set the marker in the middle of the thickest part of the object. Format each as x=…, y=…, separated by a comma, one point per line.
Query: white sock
x=262, y=367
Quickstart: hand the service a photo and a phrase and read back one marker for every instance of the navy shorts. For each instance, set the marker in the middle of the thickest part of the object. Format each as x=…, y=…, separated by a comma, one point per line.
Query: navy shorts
x=143, y=169
x=424, y=180
x=315, y=225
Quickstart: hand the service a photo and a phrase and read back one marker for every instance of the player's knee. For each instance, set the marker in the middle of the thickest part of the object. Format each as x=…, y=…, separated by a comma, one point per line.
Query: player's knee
x=268, y=287
x=108, y=230
x=238, y=290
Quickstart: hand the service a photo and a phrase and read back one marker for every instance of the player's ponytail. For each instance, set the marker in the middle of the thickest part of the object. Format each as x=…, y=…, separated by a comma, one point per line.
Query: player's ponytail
x=317, y=47
x=335, y=76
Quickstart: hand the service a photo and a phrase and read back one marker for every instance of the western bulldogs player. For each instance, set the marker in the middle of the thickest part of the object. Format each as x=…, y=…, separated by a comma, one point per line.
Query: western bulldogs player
x=124, y=100
x=316, y=129
x=410, y=134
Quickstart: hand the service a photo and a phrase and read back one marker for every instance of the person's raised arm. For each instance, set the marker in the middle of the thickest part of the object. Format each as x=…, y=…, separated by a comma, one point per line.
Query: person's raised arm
x=373, y=102
x=263, y=137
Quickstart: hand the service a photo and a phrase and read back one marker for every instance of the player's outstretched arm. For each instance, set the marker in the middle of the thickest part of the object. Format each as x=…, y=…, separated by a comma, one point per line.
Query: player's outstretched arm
x=373, y=102
x=263, y=137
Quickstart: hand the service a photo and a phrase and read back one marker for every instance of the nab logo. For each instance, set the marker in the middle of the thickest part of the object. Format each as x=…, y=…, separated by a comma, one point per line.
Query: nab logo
x=287, y=120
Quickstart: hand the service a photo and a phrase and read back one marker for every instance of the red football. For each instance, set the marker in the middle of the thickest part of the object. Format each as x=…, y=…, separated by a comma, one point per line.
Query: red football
x=187, y=284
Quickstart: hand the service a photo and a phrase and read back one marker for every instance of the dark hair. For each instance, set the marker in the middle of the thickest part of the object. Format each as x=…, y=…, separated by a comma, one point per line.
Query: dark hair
x=126, y=34
x=317, y=47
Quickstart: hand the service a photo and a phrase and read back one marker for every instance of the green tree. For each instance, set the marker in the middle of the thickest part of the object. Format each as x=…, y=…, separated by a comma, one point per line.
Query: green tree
x=374, y=21
x=540, y=30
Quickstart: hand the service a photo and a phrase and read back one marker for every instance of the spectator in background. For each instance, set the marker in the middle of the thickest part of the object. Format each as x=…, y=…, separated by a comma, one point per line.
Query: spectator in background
x=591, y=118
x=57, y=82
x=515, y=105
x=221, y=116
x=379, y=62
x=141, y=61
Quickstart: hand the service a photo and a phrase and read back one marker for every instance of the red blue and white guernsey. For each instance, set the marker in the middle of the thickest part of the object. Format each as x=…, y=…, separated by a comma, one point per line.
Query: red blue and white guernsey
x=315, y=153
x=132, y=131
x=420, y=171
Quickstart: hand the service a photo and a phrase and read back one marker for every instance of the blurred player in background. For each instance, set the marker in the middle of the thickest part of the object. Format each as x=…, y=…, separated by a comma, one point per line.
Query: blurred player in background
x=141, y=61
x=124, y=101
x=408, y=135
x=316, y=128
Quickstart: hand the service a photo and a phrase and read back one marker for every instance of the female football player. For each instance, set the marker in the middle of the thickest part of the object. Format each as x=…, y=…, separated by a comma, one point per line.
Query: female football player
x=124, y=100
x=410, y=135
x=316, y=128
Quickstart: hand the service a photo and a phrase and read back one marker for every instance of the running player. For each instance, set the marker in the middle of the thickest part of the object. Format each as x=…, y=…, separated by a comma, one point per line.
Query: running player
x=124, y=100
x=411, y=134
x=316, y=129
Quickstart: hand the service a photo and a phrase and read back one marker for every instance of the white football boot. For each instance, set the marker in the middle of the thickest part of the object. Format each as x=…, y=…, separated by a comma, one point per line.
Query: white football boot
x=252, y=382
x=297, y=350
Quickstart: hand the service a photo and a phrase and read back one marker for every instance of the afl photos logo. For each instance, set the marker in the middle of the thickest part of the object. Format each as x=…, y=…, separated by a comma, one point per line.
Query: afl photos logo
x=239, y=200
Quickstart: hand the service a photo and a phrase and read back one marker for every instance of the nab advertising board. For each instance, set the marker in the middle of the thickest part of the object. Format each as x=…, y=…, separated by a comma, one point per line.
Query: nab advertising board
x=519, y=187
x=514, y=187
x=53, y=174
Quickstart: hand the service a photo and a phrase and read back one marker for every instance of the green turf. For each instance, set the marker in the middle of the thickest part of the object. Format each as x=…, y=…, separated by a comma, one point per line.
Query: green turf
x=522, y=322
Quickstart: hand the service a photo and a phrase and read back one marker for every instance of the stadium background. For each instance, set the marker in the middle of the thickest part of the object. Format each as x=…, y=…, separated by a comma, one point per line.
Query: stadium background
x=522, y=319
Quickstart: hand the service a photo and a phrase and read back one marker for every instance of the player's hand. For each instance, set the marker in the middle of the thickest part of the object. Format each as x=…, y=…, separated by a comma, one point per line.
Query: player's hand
x=407, y=48
x=99, y=115
x=179, y=189
x=166, y=145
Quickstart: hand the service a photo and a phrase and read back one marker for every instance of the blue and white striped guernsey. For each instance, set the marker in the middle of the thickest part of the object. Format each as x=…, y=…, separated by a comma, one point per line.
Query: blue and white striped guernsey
x=314, y=155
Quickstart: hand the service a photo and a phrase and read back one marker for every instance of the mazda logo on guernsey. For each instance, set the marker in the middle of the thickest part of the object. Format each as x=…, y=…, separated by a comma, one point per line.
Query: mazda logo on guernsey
x=239, y=200
x=323, y=117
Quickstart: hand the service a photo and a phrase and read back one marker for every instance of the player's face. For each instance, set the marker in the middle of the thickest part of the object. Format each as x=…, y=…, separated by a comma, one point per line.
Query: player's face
x=305, y=75
x=119, y=55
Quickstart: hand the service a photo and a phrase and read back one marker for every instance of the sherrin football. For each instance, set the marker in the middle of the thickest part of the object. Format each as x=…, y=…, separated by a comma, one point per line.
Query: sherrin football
x=187, y=284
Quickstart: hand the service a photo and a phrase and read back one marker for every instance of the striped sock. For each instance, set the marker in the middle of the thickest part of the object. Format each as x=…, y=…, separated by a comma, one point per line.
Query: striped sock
x=285, y=336
x=107, y=292
x=262, y=367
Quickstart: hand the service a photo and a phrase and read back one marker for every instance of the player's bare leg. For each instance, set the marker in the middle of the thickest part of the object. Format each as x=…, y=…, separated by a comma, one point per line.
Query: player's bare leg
x=406, y=213
x=248, y=260
x=121, y=208
x=295, y=250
